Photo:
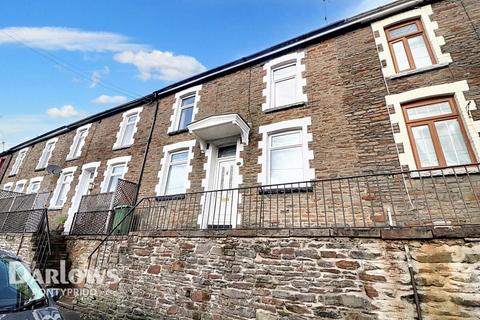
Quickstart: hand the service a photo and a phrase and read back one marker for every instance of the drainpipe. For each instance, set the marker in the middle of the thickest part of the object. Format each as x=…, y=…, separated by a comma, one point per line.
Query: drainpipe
x=414, y=286
x=139, y=181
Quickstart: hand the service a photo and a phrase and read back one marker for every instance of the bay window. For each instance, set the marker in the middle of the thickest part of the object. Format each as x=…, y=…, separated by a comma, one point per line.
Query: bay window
x=437, y=133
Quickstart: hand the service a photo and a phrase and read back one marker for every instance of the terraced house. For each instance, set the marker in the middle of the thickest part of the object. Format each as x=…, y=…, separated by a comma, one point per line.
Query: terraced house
x=286, y=184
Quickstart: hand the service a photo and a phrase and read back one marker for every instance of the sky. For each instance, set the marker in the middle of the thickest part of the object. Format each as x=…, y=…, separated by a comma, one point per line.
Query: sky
x=62, y=60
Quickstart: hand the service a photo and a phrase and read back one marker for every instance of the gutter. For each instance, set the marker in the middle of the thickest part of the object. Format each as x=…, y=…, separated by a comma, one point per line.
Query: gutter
x=362, y=18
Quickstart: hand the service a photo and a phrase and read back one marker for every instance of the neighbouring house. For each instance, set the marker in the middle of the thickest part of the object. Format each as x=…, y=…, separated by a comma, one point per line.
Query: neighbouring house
x=242, y=179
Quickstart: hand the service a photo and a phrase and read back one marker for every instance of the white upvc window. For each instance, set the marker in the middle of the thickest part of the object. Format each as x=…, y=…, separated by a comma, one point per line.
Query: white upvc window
x=19, y=161
x=20, y=186
x=63, y=186
x=284, y=81
x=176, y=164
x=184, y=108
x=285, y=157
x=78, y=142
x=128, y=127
x=116, y=170
x=34, y=185
x=285, y=154
x=8, y=186
x=46, y=154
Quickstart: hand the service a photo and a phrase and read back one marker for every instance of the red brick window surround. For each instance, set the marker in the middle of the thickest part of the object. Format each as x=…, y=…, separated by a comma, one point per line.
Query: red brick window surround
x=437, y=133
x=409, y=46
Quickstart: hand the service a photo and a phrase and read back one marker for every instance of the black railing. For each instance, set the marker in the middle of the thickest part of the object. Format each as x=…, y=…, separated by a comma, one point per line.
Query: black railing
x=42, y=244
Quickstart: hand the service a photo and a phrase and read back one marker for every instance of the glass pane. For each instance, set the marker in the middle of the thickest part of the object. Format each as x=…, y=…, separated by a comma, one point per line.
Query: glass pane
x=62, y=193
x=188, y=101
x=419, y=50
x=185, y=118
x=424, y=144
x=19, y=187
x=113, y=183
x=179, y=156
x=284, y=72
x=453, y=143
x=128, y=134
x=229, y=151
x=286, y=165
x=402, y=31
x=34, y=186
x=79, y=142
x=285, y=92
x=176, y=179
x=118, y=170
x=132, y=118
x=286, y=139
x=401, y=56
x=431, y=110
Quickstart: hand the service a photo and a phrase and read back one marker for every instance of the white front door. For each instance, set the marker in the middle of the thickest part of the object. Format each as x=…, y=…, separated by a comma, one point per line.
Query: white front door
x=223, y=201
x=86, y=178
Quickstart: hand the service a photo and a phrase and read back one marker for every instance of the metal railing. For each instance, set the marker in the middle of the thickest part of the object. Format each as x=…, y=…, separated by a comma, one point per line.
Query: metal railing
x=42, y=244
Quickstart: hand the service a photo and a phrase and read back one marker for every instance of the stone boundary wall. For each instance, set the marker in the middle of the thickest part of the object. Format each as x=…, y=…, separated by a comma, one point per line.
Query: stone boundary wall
x=11, y=242
x=282, y=278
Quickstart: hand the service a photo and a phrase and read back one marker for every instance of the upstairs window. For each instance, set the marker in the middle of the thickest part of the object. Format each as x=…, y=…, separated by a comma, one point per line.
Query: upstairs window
x=78, y=142
x=128, y=127
x=284, y=85
x=177, y=173
x=46, y=154
x=437, y=134
x=409, y=46
x=186, y=112
x=18, y=162
x=286, y=157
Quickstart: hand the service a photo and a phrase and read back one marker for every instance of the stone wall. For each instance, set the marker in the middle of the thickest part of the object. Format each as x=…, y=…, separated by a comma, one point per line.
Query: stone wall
x=283, y=278
x=11, y=242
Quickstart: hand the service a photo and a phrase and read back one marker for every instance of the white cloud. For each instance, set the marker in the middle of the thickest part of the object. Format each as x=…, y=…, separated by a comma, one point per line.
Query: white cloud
x=17, y=128
x=97, y=75
x=59, y=38
x=66, y=111
x=104, y=99
x=161, y=65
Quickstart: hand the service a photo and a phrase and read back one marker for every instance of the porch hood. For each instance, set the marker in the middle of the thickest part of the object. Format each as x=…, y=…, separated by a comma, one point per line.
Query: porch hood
x=219, y=127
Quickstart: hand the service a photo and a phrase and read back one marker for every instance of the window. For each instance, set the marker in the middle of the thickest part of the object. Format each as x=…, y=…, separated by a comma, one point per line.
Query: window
x=177, y=173
x=437, y=133
x=18, y=162
x=63, y=186
x=409, y=46
x=284, y=81
x=20, y=185
x=117, y=172
x=34, y=185
x=285, y=157
x=186, y=112
x=78, y=142
x=8, y=186
x=128, y=127
x=46, y=154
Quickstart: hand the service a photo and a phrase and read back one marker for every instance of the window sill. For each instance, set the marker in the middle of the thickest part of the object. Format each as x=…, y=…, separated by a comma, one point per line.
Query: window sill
x=55, y=208
x=444, y=172
x=39, y=169
x=284, y=190
x=170, y=197
x=285, y=107
x=122, y=147
x=72, y=159
x=418, y=71
x=172, y=133
x=12, y=175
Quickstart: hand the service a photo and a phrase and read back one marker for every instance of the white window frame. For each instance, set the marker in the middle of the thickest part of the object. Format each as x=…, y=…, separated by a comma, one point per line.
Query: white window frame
x=300, y=81
x=108, y=172
x=56, y=193
x=32, y=181
x=8, y=186
x=18, y=162
x=77, y=144
x=285, y=126
x=177, y=106
x=430, y=28
x=457, y=89
x=44, y=155
x=22, y=182
x=123, y=125
x=168, y=150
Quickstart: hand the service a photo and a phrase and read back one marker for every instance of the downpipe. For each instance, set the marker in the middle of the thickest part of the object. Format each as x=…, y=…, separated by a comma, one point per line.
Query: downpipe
x=412, y=281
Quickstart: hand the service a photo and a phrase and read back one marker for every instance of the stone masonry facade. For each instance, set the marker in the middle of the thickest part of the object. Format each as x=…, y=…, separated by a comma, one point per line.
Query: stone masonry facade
x=351, y=122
